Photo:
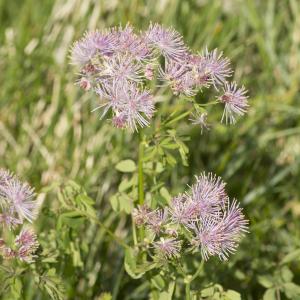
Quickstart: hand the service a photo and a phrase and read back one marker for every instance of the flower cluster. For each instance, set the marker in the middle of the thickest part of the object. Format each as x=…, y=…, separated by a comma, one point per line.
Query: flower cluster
x=117, y=64
x=203, y=217
x=17, y=205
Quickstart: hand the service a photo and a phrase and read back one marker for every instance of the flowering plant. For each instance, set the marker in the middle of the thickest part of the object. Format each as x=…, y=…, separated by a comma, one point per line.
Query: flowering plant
x=126, y=69
x=171, y=237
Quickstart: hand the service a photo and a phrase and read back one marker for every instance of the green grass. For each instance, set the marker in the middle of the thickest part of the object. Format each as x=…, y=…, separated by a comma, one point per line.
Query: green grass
x=48, y=133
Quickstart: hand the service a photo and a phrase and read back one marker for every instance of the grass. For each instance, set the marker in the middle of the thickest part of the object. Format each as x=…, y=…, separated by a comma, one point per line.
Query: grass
x=48, y=133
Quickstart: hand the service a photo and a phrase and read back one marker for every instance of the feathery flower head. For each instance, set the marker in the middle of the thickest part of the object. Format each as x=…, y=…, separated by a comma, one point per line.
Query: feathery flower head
x=86, y=48
x=167, y=248
x=168, y=41
x=157, y=219
x=85, y=84
x=121, y=68
x=83, y=50
x=118, y=63
x=200, y=119
x=220, y=237
x=235, y=101
x=28, y=244
x=140, y=214
x=208, y=193
x=120, y=120
x=26, y=238
x=131, y=43
x=135, y=106
x=182, y=209
x=17, y=197
x=200, y=74
x=5, y=175
x=9, y=221
x=216, y=66
x=149, y=71
x=8, y=253
x=179, y=77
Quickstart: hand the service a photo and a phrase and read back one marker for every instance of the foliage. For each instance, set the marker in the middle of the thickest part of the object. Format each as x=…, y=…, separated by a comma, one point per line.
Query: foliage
x=49, y=136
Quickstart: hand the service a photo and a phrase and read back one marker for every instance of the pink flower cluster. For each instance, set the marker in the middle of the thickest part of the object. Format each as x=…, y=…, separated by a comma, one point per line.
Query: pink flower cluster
x=204, y=214
x=117, y=64
x=17, y=205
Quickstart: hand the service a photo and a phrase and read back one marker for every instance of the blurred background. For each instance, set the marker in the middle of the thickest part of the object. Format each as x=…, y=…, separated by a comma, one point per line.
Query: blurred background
x=48, y=133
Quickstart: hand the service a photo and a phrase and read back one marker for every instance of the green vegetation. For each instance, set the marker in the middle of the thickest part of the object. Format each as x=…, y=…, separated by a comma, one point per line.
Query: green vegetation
x=50, y=138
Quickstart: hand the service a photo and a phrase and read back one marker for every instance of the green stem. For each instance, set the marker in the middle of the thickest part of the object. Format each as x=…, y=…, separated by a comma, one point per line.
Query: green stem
x=188, y=280
x=178, y=118
x=209, y=103
x=135, y=241
x=200, y=268
x=188, y=291
x=140, y=169
x=106, y=229
x=141, y=178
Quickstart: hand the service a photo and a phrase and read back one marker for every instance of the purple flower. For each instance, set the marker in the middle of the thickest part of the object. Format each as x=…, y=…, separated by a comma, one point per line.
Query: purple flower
x=8, y=253
x=235, y=101
x=140, y=215
x=17, y=197
x=85, y=84
x=182, y=209
x=220, y=236
x=92, y=42
x=135, y=106
x=138, y=107
x=217, y=67
x=83, y=50
x=149, y=71
x=129, y=42
x=111, y=95
x=157, y=219
x=200, y=119
x=28, y=244
x=179, y=77
x=5, y=175
x=9, y=221
x=168, y=41
x=120, y=120
x=104, y=42
x=208, y=194
x=200, y=74
x=121, y=68
x=167, y=248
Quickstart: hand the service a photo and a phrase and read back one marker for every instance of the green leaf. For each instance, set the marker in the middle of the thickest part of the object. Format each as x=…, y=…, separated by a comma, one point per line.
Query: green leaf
x=266, y=281
x=286, y=274
x=170, y=159
x=52, y=284
x=208, y=292
x=233, y=295
x=105, y=296
x=72, y=218
x=158, y=282
x=126, y=166
x=167, y=294
x=293, y=256
x=165, y=194
x=125, y=185
x=121, y=202
x=270, y=294
x=292, y=290
x=130, y=264
x=114, y=201
x=16, y=289
x=126, y=203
